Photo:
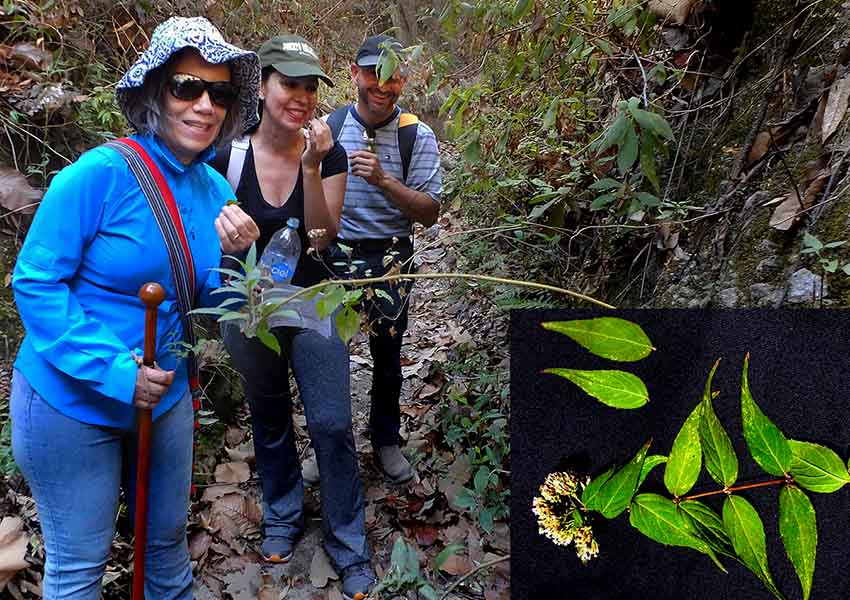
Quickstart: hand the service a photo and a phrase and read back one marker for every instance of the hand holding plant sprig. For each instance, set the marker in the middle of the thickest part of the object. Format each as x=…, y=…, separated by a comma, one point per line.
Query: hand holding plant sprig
x=568, y=504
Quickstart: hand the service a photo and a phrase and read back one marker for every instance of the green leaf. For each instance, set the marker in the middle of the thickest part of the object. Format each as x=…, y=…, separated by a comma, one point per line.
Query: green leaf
x=836, y=244
x=627, y=154
x=614, y=134
x=251, y=258
x=472, y=151
x=720, y=459
x=447, y=552
x=604, y=46
x=650, y=463
x=744, y=526
x=768, y=446
x=233, y=316
x=482, y=477
x=817, y=468
x=552, y=113
x=799, y=531
x=708, y=526
x=616, y=493
x=330, y=300
x=347, y=323
x=652, y=122
x=605, y=184
x=648, y=200
x=657, y=518
x=683, y=465
x=208, y=311
x=485, y=519
x=608, y=337
x=647, y=160
x=591, y=490
x=398, y=558
x=614, y=388
x=521, y=9
x=427, y=592
x=601, y=201
x=810, y=241
x=388, y=62
x=846, y=269
x=267, y=337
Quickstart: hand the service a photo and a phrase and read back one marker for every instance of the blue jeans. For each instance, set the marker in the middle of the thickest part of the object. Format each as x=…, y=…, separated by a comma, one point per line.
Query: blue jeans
x=75, y=471
x=320, y=366
x=387, y=317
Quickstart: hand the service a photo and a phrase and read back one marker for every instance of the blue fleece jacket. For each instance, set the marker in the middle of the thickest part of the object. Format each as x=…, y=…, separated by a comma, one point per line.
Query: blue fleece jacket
x=92, y=244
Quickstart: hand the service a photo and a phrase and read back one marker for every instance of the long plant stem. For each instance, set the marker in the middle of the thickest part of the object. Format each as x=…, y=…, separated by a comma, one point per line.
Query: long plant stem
x=736, y=488
x=483, y=565
x=469, y=276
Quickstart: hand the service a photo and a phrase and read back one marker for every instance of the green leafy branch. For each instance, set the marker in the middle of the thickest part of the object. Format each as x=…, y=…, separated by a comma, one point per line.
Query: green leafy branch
x=252, y=301
x=636, y=133
x=567, y=506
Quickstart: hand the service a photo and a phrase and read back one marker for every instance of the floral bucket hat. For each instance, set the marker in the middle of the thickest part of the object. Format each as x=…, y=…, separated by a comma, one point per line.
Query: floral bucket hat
x=196, y=32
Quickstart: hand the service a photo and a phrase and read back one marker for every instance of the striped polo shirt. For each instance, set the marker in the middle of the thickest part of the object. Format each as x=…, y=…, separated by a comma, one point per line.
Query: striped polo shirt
x=366, y=212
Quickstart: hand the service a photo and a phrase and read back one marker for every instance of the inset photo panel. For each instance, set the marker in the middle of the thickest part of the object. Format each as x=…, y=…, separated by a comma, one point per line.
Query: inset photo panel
x=680, y=454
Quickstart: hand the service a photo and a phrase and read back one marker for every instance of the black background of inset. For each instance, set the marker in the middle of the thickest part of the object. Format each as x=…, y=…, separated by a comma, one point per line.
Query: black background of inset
x=798, y=375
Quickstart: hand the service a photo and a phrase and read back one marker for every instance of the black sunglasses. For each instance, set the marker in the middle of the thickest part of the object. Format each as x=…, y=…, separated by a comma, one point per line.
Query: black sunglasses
x=189, y=87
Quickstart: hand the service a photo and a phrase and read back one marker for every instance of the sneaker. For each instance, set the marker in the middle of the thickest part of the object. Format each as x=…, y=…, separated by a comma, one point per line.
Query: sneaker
x=357, y=581
x=276, y=550
x=393, y=464
x=310, y=471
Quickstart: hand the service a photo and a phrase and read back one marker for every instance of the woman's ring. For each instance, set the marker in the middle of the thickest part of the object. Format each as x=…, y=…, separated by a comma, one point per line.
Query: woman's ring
x=236, y=236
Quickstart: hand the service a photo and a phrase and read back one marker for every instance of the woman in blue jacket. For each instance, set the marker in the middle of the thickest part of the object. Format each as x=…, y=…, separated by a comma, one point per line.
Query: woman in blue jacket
x=94, y=241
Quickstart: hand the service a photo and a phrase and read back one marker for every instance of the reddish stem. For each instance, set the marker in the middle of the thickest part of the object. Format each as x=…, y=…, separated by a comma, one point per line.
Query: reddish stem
x=737, y=488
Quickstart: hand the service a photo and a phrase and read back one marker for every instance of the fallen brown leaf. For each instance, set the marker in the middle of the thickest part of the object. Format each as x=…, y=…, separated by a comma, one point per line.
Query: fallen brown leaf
x=457, y=565
x=677, y=11
x=13, y=549
x=30, y=56
x=199, y=544
x=214, y=492
x=320, y=569
x=233, y=472
x=836, y=106
x=16, y=193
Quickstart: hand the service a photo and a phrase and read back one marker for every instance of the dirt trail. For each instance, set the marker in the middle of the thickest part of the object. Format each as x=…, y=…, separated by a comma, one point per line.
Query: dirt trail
x=440, y=323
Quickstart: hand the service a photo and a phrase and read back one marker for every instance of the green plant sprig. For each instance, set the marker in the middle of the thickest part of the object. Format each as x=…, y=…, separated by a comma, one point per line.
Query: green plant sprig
x=252, y=309
x=681, y=520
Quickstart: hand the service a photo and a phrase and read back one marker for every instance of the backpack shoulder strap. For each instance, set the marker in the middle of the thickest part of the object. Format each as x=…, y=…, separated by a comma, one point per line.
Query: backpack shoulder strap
x=408, y=125
x=336, y=119
x=238, y=151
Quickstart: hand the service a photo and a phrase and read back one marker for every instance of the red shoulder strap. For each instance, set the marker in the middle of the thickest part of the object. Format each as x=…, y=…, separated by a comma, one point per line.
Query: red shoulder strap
x=162, y=184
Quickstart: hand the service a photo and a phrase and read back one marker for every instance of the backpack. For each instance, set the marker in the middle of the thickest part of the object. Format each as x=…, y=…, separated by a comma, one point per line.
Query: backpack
x=238, y=151
x=407, y=129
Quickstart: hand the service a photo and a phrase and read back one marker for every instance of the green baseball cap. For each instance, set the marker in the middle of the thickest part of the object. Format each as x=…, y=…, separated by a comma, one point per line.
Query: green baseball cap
x=293, y=56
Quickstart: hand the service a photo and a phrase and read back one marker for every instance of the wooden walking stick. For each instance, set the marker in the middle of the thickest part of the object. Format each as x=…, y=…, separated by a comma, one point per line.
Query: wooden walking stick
x=152, y=295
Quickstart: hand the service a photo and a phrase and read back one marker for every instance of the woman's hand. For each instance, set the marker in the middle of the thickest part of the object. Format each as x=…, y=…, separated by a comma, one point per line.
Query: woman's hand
x=236, y=230
x=319, y=143
x=151, y=385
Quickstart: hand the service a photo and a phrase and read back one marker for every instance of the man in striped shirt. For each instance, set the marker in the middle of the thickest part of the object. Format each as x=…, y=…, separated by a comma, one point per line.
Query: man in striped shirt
x=391, y=185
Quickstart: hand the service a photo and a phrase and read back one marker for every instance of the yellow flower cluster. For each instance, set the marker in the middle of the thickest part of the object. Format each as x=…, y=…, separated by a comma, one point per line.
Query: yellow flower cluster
x=558, y=518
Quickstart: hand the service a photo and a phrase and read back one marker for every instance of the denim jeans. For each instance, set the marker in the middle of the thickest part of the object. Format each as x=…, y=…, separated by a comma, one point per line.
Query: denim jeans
x=321, y=370
x=388, y=321
x=75, y=471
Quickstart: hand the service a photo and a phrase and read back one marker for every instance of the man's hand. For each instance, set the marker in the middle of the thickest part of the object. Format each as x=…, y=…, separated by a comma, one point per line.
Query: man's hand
x=151, y=385
x=319, y=142
x=366, y=165
x=236, y=230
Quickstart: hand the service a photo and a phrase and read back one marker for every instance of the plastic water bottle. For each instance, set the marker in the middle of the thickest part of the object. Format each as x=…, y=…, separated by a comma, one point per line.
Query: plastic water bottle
x=281, y=255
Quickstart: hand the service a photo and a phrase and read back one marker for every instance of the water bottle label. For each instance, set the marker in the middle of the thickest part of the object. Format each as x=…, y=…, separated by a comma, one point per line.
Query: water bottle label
x=281, y=273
